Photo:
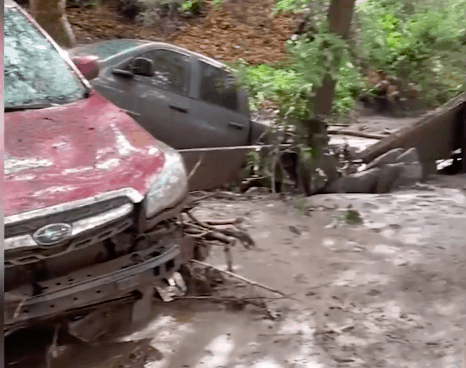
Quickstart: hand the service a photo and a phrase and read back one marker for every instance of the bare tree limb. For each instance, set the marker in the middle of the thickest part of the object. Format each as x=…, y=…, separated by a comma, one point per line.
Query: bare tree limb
x=198, y=163
x=240, y=278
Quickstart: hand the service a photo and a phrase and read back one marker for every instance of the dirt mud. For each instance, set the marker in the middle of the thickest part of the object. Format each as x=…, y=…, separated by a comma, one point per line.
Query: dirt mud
x=386, y=292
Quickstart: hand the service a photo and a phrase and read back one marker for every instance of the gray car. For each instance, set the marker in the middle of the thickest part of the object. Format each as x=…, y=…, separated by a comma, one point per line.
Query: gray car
x=183, y=98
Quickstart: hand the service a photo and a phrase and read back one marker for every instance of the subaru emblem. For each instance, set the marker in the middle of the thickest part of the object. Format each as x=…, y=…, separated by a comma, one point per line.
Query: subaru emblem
x=52, y=234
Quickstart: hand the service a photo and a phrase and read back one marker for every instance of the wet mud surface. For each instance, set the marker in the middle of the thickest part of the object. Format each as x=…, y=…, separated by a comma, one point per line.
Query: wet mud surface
x=389, y=292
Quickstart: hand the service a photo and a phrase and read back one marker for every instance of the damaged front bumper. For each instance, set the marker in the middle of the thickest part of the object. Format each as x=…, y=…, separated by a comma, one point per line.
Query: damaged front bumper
x=84, y=291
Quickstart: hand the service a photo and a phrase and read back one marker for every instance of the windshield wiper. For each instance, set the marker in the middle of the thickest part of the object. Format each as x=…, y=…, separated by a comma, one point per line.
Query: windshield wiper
x=35, y=106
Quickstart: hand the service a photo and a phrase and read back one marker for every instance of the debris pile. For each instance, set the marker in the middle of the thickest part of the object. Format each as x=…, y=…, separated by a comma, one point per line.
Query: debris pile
x=387, y=95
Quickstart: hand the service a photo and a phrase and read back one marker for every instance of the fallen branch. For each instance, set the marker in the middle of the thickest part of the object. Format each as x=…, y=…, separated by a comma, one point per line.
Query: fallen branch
x=259, y=302
x=198, y=232
x=244, y=238
x=357, y=134
x=218, y=195
x=224, y=298
x=240, y=278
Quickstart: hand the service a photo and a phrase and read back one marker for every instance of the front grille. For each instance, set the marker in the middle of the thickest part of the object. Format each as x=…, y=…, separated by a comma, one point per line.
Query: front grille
x=84, y=240
x=69, y=216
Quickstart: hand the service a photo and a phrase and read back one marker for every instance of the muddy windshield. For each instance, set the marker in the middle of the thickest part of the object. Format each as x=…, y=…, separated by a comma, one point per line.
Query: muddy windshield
x=35, y=74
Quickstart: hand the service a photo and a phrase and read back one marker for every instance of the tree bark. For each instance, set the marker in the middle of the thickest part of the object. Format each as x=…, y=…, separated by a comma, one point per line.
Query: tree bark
x=339, y=18
x=51, y=16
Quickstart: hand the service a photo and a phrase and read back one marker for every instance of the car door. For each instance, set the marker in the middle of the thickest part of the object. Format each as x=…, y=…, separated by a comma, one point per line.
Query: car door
x=218, y=109
x=160, y=103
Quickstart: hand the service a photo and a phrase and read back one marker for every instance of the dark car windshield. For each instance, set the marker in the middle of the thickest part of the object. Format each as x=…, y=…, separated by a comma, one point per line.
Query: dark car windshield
x=35, y=74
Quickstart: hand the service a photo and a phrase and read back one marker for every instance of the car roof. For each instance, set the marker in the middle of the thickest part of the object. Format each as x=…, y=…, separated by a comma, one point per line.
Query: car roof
x=201, y=57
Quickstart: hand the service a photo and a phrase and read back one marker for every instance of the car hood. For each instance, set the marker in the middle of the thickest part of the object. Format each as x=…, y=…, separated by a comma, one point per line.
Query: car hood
x=76, y=151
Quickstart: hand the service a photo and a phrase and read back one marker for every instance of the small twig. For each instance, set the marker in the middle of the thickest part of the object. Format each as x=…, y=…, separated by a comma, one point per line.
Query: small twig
x=198, y=163
x=52, y=351
x=202, y=198
x=229, y=257
x=18, y=308
x=240, y=278
x=219, y=195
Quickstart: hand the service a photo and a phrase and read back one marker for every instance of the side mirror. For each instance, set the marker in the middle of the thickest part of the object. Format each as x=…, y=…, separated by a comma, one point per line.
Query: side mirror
x=143, y=66
x=87, y=65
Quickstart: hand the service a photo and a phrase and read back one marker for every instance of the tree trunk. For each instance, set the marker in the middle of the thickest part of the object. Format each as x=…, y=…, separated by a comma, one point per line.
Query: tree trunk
x=51, y=16
x=339, y=20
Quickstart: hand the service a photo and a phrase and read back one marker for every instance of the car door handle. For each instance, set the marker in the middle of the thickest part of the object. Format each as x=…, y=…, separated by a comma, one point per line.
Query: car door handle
x=179, y=108
x=236, y=125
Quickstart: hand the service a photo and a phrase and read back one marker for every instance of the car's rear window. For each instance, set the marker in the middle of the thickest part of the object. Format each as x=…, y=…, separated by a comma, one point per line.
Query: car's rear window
x=34, y=71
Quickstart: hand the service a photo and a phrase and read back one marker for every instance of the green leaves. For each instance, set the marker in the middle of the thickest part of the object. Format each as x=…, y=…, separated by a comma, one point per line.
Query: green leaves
x=410, y=39
x=290, y=6
x=419, y=42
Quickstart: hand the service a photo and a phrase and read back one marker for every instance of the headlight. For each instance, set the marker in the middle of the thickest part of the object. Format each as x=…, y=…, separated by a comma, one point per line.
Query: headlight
x=168, y=187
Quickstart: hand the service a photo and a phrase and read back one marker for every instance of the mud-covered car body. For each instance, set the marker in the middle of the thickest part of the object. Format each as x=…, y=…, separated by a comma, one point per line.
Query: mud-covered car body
x=185, y=99
x=89, y=196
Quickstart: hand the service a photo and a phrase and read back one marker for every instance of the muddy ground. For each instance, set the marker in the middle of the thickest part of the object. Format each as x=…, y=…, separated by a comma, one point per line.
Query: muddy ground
x=389, y=292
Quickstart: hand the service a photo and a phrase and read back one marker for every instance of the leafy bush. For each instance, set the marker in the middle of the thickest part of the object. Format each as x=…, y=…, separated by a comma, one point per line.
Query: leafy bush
x=291, y=84
x=192, y=6
x=293, y=6
x=418, y=42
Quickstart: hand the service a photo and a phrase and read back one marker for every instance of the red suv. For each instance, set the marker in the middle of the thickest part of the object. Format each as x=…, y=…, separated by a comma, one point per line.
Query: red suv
x=90, y=198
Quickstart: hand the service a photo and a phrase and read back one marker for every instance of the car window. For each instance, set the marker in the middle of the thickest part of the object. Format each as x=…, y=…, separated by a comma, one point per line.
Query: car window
x=218, y=87
x=108, y=49
x=172, y=70
x=34, y=71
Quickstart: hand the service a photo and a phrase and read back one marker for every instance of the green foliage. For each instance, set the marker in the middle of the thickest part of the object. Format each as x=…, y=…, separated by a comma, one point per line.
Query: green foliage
x=421, y=42
x=92, y=3
x=293, y=6
x=192, y=6
x=292, y=84
x=217, y=3
x=350, y=217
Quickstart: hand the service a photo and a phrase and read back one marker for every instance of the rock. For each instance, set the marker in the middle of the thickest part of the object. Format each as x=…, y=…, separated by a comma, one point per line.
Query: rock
x=399, y=261
x=412, y=174
x=428, y=168
x=389, y=177
x=362, y=182
x=409, y=157
x=387, y=158
x=294, y=230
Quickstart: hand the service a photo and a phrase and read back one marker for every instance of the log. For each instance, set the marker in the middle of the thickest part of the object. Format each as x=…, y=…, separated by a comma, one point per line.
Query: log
x=431, y=134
